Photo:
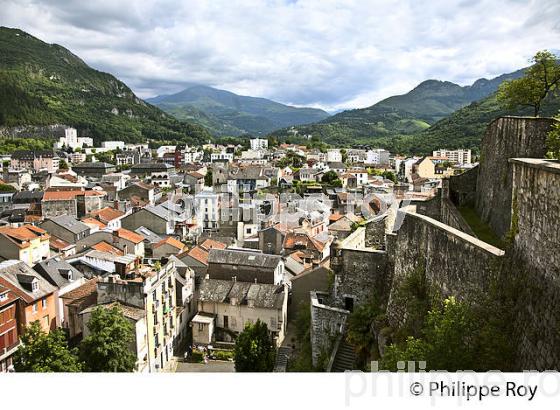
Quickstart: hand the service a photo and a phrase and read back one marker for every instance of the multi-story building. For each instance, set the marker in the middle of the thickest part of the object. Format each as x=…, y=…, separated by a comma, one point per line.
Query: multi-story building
x=113, y=145
x=9, y=324
x=73, y=202
x=38, y=298
x=77, y=157
x=27, y=243
x=71, y=139
x=208, y=209
x=150, y=288
x=35, y=161
x=460, y=156
x=377, y=157
x=334, y=155
x=259, y=143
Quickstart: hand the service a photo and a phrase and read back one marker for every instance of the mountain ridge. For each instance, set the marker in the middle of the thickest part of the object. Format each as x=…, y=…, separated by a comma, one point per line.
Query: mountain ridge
x=43, y=84
x=230, y=113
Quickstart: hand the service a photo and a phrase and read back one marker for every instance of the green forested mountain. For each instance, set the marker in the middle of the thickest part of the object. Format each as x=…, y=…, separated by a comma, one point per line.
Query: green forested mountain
x=413, y=116
x=42, y=84
x=226, y=113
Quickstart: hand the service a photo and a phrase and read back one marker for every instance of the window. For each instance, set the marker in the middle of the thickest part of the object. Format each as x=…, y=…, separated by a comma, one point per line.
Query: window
x=47, y=321
x=44, y=303
x=34, y=286
x=272, y=323
x=35, y=307
x=200, y=327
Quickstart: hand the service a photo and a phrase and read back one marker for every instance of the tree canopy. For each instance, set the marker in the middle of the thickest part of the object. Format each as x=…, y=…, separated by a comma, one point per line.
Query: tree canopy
x=254, y=351
x=541, y=79
x=42, y=352
x=107, y=347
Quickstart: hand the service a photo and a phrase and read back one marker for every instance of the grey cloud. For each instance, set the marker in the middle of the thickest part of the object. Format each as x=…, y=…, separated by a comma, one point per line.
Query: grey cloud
x=324, y=53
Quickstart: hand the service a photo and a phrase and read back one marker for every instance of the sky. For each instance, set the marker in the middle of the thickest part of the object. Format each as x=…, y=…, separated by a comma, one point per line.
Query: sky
x=324, y=53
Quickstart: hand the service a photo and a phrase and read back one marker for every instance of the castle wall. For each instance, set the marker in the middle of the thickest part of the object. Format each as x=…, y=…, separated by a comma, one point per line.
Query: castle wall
x=506, y=137
x=454, y=263
x=536, y=256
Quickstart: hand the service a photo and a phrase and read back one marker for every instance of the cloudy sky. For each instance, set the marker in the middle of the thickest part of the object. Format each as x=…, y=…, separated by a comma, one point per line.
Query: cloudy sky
x=323, y=53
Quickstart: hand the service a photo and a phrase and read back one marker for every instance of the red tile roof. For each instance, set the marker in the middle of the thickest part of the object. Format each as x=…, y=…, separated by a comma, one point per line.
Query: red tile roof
x=105, y=247
x=69, y=194
x=107, y=214
x=129, y=235
x=170, y=241
x=199, y=254
x=95, y=222
x=21, y=235
x=212, y=244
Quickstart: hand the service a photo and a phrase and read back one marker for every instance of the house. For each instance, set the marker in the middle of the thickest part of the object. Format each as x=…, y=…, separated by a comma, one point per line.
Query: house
x=337, y=167
x=334, y=155
x=62, y=275
x=197, y=257
x=127, y=241
x=167, y=247
x=93, y=169
x=317, y=279
x=110, y=217
x=208, y=206
x=148, y=169
x=27, y=243
x=150, y=239
x=73, y=202
x=155, y=218
x=66, y=228
x=245, y=266
x=312, y=251
x=38, y=297
x=271, y=239
x=259, y=143
x=76, y=301
x=194, y=181
x=138, y=190
x=9, y=327
x=226, y=306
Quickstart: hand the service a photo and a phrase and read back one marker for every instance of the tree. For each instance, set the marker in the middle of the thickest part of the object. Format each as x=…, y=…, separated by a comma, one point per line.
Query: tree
x=63, y=165
x=42, y=352
x=107, y=347
x=329, y=177
x=254, y=351
x=530, y=90
x=360, y=329
x=7, y=188
x=553, y=141
x=208, y=178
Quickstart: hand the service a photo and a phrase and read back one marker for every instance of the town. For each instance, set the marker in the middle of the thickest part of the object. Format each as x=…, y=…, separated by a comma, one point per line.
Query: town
x=190, y=243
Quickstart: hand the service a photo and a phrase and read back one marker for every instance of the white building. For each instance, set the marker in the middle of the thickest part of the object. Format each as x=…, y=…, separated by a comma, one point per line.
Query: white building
x=377, y=157
x=113, y=145
x=334, y=155
x=71, y=140
x=221, y=156
x=259, y=143
x=77, y=157
x=165, y=149
x=460, y=156
x=208, y=209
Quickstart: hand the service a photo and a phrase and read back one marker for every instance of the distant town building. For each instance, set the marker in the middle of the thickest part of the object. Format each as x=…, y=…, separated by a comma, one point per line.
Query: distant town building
x=113, y=145
x=460, y=156
x=71, y=139
x=259, y=143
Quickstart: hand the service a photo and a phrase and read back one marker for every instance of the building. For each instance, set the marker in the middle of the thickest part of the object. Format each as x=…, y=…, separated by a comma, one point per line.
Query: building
x=77, y=157
x=37, y=296
x=245, y=266
x=146, y=170
x=155, y=218
x=94, y=169
x=226, y=306
x=35, y=161
x=334, y=155
x=110, y=217
x=167, y=247
x=149, y=288
x=66, y=228
x=70, y=139
x=138, y=192
x=9, y=326
x=27, y=243
x=377, y=157
x=113, y=145
x=460, y=156
x=65, y=277
x=70, y=201
x=208, y=206
x=259, y=143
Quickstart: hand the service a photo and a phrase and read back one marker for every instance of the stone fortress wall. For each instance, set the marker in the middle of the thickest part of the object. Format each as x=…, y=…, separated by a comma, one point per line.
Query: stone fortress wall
x=516, y=197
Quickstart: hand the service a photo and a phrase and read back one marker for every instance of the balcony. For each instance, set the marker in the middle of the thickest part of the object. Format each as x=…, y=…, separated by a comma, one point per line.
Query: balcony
x=9, y=350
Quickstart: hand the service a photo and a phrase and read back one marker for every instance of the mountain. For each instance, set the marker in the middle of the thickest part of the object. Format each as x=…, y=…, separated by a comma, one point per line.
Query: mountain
x=226, y=113
x=42, y=84
x=407, y=114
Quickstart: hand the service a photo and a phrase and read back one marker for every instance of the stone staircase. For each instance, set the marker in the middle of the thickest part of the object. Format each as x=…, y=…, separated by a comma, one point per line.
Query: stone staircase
x=345, y=357
x=282, y=356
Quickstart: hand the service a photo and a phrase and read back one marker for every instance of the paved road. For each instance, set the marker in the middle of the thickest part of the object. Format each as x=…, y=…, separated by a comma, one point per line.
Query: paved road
x=211, y=367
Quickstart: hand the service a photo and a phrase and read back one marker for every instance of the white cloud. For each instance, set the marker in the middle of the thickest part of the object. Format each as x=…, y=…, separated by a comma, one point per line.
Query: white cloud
x=324, y=53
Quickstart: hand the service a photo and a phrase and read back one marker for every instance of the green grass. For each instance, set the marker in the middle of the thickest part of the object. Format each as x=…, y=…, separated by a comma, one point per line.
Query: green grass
x=481, y=230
